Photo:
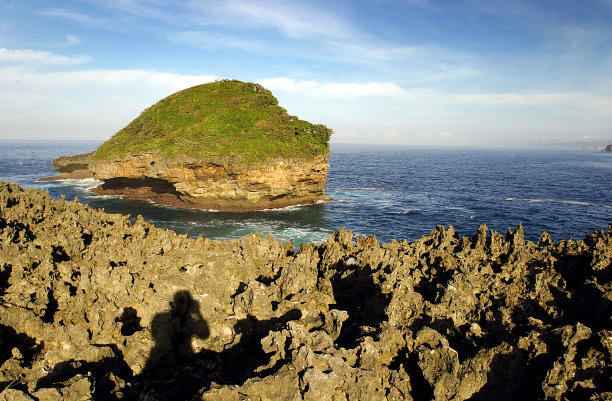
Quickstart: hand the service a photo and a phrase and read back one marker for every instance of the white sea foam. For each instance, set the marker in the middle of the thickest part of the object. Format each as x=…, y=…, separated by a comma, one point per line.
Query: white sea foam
x=85, y=183
x=410, y=211
x=109, y=196
x=292, y=207
x=547, y=200
x=360, y=189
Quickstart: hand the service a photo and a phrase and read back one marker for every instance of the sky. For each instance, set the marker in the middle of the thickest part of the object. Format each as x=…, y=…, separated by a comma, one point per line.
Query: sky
x=415, y=72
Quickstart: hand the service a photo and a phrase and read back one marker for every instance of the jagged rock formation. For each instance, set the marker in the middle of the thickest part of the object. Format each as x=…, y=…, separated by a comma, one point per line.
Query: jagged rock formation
x=93, y=306
x=225, y=145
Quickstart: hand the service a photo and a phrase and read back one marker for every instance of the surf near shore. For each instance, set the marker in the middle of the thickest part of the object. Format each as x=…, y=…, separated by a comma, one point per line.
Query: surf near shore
x=92, y=305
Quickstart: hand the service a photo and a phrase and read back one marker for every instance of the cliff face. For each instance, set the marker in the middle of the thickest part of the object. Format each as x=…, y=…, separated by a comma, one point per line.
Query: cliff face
x=217, y=183
x=95, y=307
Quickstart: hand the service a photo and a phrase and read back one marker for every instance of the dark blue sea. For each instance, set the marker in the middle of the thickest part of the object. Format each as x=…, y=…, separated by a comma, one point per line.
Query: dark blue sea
x=389, y=191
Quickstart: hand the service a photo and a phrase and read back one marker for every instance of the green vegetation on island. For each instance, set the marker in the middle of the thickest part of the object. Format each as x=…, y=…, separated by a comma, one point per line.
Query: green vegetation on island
x=222, y=118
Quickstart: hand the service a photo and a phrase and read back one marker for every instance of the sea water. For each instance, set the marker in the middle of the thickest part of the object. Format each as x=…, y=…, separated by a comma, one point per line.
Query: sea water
x=389, y=191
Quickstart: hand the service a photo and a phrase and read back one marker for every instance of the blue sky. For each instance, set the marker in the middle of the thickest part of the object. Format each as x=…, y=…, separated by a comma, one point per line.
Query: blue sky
x=465, y=72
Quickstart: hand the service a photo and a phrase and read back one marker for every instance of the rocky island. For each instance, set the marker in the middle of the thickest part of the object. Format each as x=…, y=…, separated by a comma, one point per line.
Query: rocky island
x=96, y=306
x=225, y=145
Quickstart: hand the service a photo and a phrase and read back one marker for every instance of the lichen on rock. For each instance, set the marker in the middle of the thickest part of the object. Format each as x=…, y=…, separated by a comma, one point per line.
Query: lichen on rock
x=95, y=306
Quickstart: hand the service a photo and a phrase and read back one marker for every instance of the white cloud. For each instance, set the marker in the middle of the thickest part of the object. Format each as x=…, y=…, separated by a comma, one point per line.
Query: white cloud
x=334, y=90
x=91, y=104
x=37, y=57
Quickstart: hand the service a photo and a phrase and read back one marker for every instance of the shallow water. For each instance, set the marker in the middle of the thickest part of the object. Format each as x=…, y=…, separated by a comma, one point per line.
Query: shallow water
x=392, y=192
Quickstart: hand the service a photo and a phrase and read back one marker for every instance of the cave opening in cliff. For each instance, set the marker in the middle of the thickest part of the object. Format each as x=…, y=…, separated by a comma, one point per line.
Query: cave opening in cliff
x=154, y=189
x=154, y=185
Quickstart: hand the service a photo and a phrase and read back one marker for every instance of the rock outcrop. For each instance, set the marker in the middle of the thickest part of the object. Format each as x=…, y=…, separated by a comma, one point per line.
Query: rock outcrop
x=74, y=167
x=93, y=306
x=217, y=183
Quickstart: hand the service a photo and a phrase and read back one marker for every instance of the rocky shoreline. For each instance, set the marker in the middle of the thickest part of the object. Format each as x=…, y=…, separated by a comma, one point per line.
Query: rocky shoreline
x=220, y=184
x=95, y=307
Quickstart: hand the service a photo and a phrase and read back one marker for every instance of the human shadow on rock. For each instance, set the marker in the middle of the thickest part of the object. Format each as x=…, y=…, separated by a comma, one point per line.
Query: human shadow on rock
x=174, y=371
x=357, y=293
x=173, y=331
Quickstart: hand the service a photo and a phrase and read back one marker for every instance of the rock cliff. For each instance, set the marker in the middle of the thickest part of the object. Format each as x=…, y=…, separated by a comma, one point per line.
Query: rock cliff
x=217, y=183
x=93, y=306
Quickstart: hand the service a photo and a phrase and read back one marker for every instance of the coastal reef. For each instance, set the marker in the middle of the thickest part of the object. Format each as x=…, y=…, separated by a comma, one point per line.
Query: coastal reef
x=98, y=306
x=225, y=145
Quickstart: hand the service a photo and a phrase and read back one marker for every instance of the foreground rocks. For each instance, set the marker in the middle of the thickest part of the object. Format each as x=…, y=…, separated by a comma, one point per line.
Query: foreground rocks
x=93, y=306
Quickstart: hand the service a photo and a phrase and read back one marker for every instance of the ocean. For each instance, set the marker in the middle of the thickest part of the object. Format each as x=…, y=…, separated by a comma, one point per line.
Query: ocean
x=399, y=192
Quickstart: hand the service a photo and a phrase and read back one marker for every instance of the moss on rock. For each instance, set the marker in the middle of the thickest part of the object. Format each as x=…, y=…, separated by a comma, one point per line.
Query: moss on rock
x=222, y=118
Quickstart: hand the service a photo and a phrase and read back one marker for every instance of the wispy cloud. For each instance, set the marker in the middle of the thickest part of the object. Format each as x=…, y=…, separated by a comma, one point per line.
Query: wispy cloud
x=38, y=57
x=334, y=90
x=216, y=41
x=69, y=41
x=72, y=40
x=73, y=15
x=295, y=19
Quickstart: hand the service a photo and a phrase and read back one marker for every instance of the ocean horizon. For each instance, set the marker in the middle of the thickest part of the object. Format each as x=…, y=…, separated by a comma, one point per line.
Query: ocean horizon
x=392, y=192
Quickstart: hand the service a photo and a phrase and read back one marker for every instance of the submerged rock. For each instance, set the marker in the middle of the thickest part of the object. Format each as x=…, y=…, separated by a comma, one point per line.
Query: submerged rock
x=93, y=306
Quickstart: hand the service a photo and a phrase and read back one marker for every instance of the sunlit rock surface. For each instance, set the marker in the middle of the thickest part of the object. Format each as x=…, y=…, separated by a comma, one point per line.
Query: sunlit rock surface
x=95, y=307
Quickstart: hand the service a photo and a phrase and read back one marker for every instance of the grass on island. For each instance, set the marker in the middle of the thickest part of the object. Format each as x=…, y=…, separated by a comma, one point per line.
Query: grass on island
x=222, y=118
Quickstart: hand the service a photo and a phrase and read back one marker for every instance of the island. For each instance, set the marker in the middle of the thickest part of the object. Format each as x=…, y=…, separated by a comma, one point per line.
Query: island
x=609, y=148
x=225, y=145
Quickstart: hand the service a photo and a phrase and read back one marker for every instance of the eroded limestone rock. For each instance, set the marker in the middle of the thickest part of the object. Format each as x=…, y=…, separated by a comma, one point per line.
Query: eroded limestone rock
x=94, y=306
